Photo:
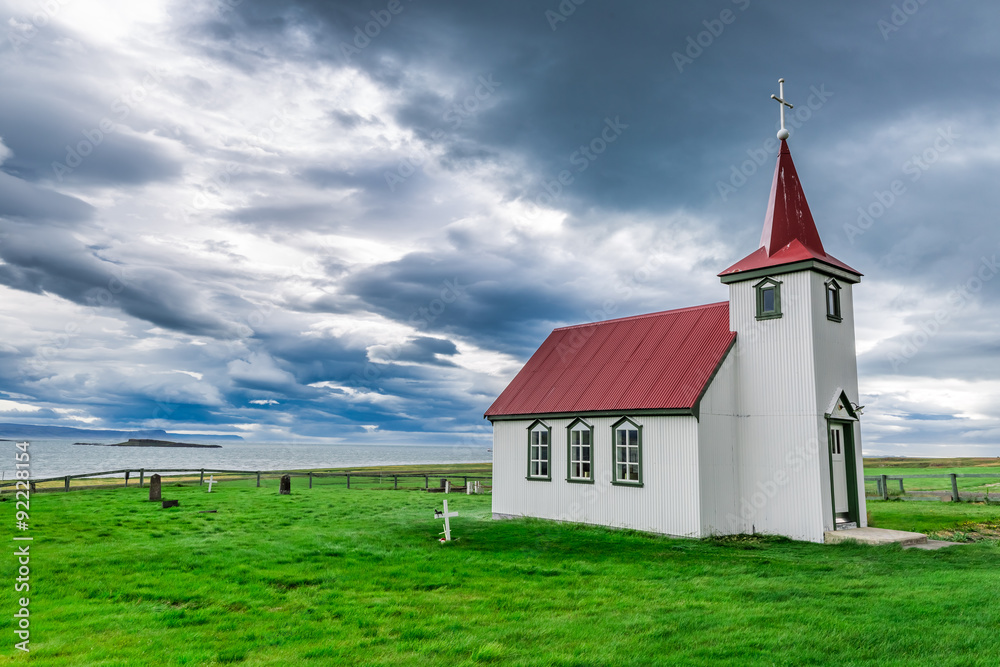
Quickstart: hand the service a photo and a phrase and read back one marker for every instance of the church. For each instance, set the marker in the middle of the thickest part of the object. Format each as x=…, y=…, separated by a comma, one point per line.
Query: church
x=727, y=418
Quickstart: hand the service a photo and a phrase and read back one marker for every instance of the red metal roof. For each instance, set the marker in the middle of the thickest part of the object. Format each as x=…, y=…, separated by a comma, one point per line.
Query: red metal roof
x=657, y=361
x=790, y=234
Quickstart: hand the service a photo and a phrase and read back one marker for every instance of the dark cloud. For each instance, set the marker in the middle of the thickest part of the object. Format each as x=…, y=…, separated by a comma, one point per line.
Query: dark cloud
x=478, y=107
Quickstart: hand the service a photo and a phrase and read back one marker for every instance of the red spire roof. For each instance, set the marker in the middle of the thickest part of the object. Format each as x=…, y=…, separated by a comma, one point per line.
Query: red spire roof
x=790, y=233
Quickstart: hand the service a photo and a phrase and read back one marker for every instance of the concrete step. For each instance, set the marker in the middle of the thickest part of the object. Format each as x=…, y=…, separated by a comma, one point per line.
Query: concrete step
x=874, y=536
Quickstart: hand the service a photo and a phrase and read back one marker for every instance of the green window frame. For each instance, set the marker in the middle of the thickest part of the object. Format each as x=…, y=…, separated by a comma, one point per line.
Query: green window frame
x=539, y=451
x=768, y=293
x=580, y=452
x=626, y=453
x=832, y=293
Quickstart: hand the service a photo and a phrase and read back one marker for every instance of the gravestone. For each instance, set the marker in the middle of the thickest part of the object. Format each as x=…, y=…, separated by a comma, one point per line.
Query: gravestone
x=154, y=487
x=170, y=503
x=286, y=485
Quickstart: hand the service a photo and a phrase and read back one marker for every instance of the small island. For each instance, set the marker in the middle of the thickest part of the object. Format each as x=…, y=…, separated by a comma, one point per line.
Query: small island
x=143, y=442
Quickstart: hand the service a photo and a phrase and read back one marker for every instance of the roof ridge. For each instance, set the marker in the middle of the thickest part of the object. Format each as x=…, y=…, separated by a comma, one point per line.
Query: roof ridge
x=644, y=315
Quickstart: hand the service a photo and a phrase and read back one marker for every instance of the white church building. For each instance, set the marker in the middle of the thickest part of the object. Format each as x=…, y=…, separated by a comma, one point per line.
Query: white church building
x=727, y=418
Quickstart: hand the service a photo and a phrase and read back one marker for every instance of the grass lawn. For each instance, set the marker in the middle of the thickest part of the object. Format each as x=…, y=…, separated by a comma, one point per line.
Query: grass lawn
x=331, y=576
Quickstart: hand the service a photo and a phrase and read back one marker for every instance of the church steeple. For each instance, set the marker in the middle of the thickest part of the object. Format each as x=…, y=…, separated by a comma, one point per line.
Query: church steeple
x=790, y=235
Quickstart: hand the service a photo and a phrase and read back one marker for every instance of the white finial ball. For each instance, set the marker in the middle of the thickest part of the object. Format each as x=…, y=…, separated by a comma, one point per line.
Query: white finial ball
x=782, y=134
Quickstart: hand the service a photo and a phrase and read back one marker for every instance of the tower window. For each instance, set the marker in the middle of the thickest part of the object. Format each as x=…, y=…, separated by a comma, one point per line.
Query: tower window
x=833, y=301
x=768, y=299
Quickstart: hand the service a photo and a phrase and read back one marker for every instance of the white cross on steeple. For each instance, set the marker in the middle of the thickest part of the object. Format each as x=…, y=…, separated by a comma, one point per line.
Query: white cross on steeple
x=782, y=133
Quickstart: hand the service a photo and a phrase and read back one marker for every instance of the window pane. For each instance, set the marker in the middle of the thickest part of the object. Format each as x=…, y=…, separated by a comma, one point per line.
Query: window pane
x=633, y=473
x=633, y=455
x=585, y=437
x=586, y=454
x=586, y=471
x=544, y=467
x=543, y=452
x=767, y=294
x=621, y=454
x=543, y=437
x=633, y=438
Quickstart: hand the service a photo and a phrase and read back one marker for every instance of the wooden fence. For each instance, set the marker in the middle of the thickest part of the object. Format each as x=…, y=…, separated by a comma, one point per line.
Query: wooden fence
x=882, y=483
x=114, y=477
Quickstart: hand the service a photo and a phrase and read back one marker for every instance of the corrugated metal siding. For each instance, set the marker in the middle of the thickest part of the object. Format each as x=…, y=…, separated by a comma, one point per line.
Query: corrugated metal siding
x=668, y=502
x=836, y=364
x=779, y=433
x=662, y=360
x=718, y=463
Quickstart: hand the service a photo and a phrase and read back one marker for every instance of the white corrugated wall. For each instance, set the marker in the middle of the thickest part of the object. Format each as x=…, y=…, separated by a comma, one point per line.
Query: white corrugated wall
x=779, y=446
x=835, y=358
x=668, y=502
x=717, y=453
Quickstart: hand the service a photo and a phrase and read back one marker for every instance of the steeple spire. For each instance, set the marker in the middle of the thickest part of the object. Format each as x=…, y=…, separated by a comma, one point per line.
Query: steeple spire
x=790, y=235
x=788, y=217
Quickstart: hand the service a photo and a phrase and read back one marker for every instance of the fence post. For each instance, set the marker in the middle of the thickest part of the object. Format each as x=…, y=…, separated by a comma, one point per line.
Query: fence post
x=142, y=475
x=901, y=490
x=465, y=481
x=954, y=488
x=348, y=480
x=126, y=479
x=258, y=480
x=310, y=479
x=395, y=482
x=426, y=482
x=67, y=484
x=885, y=487
x=201, y=478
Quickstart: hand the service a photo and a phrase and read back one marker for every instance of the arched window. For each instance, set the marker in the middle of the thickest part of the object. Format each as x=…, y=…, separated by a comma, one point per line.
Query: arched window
x=580, y=452
x=627, y=449
x=768, y=299
x=833, y=301
x=539, y=451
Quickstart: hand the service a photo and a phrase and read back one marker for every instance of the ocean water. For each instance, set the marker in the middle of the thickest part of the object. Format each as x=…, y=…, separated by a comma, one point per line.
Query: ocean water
x=54, y=458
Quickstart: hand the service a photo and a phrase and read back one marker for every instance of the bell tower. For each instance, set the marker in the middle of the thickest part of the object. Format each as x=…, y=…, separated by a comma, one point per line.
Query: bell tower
x=791, y=306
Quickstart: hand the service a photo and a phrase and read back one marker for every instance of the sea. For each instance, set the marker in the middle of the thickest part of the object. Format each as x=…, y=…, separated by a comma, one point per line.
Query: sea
x=57, y=458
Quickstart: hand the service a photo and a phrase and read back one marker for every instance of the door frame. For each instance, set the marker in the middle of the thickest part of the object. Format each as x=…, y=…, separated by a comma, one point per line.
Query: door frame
x=850, y=463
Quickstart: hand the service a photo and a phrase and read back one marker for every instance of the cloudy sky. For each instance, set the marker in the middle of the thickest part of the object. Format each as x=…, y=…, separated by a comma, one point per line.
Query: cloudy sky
x=356, y=220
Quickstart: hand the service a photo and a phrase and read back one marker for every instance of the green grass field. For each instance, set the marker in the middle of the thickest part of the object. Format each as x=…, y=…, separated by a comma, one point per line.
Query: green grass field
x=331, y=576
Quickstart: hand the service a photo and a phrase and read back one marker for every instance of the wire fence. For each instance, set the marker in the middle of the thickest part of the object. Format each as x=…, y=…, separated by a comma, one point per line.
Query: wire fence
x=431, y=481
x=953, y=487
